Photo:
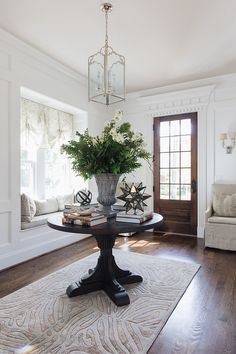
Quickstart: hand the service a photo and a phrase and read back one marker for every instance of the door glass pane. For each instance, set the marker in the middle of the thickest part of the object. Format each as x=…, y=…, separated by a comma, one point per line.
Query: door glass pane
x=174, y=175
x=164, y=191
x=186, y=143
x=185, y=192
x=186, y=126
x=174, y=191
x=174, y=127
x=164, y=144
x=164, y=160
x=164, y=175
x=164, y=129
x=185, y=175
x=174, y=143
x=185, y=159
x=174, y=159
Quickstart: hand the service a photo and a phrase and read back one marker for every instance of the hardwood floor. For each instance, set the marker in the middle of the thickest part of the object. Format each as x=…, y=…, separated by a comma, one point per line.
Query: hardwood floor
x=204, y=321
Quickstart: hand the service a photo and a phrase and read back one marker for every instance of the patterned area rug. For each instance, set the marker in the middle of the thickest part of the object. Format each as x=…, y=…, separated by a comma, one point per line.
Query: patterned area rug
x=40, y=318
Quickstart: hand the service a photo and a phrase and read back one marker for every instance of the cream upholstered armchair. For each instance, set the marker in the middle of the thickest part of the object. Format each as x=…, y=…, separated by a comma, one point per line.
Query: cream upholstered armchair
x=220, y=218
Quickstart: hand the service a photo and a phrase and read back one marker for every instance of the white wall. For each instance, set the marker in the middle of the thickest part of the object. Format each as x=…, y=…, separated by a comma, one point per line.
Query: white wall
x=225, y=122
x=23, y=66
x=215, y=101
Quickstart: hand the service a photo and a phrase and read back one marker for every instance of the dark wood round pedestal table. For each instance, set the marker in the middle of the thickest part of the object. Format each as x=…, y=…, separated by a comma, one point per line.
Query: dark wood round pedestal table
x=106, y=275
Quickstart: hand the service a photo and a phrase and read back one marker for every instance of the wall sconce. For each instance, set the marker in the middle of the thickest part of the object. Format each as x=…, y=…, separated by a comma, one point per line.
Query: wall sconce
x=228, y=141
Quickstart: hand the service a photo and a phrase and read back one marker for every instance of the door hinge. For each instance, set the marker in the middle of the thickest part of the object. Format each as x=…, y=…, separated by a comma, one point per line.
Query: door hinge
x=153, y=188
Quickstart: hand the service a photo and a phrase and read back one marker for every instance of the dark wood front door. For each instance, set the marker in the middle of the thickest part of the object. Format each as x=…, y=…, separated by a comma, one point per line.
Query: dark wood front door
x=175, y=172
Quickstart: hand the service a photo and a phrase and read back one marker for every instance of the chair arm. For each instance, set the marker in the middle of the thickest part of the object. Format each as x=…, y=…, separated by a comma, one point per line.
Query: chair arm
x=208, y=213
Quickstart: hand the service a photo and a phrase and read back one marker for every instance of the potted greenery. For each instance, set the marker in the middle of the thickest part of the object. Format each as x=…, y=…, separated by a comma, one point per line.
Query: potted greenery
x=116, y=151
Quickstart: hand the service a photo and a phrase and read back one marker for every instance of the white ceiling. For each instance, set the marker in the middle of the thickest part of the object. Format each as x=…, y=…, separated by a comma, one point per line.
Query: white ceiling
x=164, y=41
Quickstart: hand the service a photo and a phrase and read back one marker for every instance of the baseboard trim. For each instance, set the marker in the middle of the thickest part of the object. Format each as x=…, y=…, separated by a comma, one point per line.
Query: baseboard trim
x=21, y=255
x=200, y=232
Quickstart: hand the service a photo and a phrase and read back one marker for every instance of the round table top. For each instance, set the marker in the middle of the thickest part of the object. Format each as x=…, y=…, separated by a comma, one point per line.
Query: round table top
x=111, y=227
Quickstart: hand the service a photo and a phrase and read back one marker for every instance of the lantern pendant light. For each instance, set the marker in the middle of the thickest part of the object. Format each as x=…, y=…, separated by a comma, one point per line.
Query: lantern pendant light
x=106, y=71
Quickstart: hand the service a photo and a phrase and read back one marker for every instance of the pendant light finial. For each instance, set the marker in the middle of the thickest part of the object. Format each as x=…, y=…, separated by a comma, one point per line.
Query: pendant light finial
x=106, y=7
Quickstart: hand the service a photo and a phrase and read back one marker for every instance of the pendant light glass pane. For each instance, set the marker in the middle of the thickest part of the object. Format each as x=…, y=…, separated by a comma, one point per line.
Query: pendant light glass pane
x=95, y=75
x=115, y=90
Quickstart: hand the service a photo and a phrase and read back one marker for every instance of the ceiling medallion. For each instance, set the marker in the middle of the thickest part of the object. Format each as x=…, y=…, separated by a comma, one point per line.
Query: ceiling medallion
x=106, y=71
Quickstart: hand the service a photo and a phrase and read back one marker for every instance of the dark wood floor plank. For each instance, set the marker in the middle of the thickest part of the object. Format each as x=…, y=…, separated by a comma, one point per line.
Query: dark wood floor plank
x=204, y=321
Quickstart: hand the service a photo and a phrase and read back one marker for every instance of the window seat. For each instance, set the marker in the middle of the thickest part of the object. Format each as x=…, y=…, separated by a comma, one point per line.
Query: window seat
x=35, y=213
x=39, y=220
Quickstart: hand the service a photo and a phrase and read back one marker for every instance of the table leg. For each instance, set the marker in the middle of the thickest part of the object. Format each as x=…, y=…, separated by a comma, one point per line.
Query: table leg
x=105, y=276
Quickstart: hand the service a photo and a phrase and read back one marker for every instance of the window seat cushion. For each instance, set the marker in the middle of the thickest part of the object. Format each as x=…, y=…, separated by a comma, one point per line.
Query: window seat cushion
x=44, y=207
x=38, y=220
x=28, y=208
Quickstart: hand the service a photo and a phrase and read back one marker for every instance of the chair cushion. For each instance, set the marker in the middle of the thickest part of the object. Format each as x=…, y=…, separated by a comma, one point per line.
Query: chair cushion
x=28, y=208
x=224, y=205
x=222, y=220
x=46, y=206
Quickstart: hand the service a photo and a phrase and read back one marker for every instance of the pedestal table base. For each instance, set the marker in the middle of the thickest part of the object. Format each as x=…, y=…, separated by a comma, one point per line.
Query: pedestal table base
x=105, y=276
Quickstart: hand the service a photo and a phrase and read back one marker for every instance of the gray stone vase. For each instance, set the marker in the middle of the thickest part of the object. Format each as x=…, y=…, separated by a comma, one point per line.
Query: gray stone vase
x=107, y=183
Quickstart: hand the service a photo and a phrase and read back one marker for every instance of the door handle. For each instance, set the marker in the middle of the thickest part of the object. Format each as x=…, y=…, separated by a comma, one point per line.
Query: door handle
x=193, y=186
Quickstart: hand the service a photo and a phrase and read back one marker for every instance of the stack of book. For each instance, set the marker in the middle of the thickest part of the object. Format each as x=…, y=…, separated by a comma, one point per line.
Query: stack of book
x=134, y=218
x=84, y=220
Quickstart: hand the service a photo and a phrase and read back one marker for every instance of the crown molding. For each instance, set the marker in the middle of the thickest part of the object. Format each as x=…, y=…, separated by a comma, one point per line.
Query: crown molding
x=175, y=102
x=167, y=111
x=180, y=97
x=36, y=54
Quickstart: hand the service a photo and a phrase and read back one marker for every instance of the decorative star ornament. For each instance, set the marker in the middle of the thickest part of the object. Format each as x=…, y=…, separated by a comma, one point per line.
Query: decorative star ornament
x=134, y=197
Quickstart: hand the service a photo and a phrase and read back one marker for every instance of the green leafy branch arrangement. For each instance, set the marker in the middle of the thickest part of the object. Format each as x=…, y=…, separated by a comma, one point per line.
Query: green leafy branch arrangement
x=117, y=150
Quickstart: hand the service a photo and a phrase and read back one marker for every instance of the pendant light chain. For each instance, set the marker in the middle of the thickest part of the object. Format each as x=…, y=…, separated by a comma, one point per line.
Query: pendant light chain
x=106, y=38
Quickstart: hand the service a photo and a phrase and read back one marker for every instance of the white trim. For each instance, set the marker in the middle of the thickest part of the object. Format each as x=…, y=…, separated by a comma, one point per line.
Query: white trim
x=38, y=55
x=20, y=255
x=179, y=102
x=50, y=102
x=193, y=96
x=200, y=232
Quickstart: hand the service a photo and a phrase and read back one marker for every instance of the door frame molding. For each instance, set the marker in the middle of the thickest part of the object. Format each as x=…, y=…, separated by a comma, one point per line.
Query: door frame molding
x=190, y=100
x=202, y=145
